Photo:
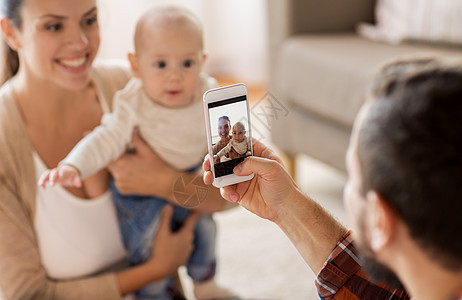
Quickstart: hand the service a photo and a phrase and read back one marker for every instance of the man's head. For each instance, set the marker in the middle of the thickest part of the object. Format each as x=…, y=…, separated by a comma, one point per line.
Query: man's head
x=405, y=164
x=169, y=54
x=224, y=125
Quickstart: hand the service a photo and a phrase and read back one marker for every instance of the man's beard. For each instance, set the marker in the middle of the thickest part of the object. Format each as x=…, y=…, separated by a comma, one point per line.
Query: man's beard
x=380, y=273
x=377, y=271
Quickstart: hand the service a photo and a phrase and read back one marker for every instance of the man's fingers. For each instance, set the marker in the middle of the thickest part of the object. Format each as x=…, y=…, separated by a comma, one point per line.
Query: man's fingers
x=208, y=177
x=206, y=163
x=229, y=193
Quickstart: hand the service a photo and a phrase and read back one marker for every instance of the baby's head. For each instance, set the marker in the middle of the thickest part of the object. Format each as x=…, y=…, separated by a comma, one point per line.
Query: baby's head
x=168, y=55
x=238, y=132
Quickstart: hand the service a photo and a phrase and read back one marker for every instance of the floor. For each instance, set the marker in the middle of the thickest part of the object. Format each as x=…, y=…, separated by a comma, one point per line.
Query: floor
x=255, y=259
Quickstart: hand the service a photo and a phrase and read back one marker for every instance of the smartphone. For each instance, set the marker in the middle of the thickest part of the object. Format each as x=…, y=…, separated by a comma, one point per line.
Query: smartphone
x=229, y=134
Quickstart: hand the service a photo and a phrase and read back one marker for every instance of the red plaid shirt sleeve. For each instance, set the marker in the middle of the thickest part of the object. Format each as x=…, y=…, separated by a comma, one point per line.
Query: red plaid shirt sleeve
x=342, y=277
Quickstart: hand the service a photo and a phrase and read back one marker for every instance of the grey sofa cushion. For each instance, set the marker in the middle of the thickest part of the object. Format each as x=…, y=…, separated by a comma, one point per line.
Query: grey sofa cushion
x=327, y=74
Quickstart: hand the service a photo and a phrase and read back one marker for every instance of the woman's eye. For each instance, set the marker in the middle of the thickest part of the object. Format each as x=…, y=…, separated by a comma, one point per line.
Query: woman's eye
x=54, y=27
x=90, y=21
x=188, y=63
x=160, y=64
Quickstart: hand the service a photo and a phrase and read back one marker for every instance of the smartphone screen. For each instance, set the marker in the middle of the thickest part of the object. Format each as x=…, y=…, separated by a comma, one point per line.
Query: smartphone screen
x=230, y=133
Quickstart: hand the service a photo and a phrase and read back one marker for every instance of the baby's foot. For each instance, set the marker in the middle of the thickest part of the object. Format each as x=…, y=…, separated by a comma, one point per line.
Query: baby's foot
x=211, y=290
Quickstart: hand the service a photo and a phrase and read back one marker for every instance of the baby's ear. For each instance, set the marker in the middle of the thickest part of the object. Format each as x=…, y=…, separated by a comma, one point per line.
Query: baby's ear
x=134, y=64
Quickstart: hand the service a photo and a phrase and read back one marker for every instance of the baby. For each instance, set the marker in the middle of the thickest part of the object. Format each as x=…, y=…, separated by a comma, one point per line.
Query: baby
x=238, y=146
x=163, y=101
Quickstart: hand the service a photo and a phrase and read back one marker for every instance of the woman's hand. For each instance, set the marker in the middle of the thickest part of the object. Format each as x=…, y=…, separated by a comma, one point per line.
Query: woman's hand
x=143, y=172
x=172, y=249
x=265, y=193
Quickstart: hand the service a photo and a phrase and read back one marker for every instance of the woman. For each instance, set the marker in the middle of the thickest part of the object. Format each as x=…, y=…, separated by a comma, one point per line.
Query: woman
x=54, y=242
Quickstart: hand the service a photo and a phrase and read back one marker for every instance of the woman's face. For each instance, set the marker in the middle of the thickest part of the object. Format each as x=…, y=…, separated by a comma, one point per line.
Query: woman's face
x=223, y=128
x=58, y=40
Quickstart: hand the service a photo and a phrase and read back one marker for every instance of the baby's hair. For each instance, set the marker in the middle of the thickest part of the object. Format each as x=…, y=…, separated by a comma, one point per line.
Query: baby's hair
x=167, y=15
x=240, y=125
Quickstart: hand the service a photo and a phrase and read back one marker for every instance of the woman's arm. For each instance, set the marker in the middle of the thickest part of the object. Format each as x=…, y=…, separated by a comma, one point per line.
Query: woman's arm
x=22, y=275
x=171, y=250
x=145, y=173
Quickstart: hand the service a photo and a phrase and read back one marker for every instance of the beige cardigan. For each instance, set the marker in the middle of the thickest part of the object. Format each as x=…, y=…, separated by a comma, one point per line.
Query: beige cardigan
x=21, y=273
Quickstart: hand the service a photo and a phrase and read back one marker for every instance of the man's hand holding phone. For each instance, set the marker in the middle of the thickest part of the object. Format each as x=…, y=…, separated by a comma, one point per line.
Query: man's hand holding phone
x=227, y=119
x=266, y=192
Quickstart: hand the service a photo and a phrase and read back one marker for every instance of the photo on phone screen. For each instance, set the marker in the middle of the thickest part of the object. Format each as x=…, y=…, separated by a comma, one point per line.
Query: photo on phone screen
x=230, y=133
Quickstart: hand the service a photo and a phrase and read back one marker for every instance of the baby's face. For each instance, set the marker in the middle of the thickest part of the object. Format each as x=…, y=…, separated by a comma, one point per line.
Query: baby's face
x=169, y=65
x=238, y=133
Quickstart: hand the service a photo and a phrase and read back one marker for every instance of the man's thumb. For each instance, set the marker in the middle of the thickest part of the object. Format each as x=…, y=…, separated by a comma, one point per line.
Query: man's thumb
x=253, y=164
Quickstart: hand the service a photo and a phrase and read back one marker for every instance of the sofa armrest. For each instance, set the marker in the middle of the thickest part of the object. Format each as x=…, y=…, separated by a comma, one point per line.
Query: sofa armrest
x=329, y=15
x=290, y=17
x=311, y=16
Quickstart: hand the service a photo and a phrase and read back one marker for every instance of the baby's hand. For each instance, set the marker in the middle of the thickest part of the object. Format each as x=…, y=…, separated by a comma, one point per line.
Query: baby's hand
x=233, y=154
x=65, y=175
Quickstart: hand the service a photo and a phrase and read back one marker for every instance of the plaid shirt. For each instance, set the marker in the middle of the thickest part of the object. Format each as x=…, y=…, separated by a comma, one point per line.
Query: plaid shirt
x=343, y=278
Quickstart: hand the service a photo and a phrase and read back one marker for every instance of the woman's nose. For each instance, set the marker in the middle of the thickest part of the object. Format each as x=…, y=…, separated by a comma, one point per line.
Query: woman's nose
x=77, y=38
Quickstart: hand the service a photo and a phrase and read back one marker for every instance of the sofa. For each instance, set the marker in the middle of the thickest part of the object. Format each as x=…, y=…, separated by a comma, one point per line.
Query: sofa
x=320, y=69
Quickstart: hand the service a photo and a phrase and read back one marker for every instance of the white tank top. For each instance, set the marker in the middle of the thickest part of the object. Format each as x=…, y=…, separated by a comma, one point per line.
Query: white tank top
x=76, y=237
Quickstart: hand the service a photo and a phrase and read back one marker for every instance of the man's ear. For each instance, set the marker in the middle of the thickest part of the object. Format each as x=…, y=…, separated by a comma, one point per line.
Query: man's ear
x=134, y=64
x=383, y=221
x=9, y=34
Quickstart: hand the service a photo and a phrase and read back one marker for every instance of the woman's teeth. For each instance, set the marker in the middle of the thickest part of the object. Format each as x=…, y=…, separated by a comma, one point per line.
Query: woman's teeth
x=73, y=63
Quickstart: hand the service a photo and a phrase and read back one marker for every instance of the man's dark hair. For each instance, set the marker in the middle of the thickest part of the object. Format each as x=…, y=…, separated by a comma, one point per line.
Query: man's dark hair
x=410, y=152
x=225, y=118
